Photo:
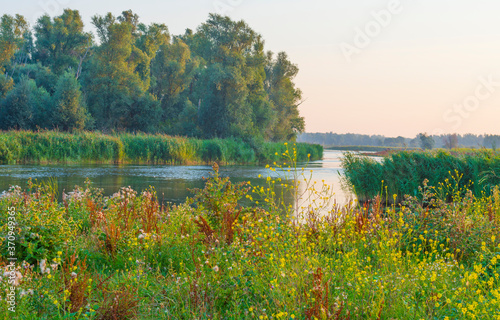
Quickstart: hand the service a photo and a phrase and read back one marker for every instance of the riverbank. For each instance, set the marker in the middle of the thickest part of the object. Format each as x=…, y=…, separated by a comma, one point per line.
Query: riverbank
x=403, y=173
x=128, y=257
x=51, y=147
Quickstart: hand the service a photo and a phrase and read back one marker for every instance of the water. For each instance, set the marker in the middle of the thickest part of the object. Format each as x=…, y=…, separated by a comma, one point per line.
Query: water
x=171, y=182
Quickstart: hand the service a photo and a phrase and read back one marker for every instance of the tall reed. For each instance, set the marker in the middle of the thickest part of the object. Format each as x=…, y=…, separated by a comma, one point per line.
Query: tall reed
x=93, y=147
x=402, y=173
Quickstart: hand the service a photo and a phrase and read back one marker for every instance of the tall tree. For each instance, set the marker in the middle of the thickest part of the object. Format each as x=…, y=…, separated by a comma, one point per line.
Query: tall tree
x=69, y=112
x=285, y=97
x=173, y=70
x=61, y=42
x=24, y=106
x=113, y=84
x=6, y=84
x=12, y=37
x=450, y=141
x=227, y=47
x=426, y=141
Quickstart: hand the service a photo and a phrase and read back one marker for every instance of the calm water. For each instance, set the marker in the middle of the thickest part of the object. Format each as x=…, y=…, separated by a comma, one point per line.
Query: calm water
x=170, y=182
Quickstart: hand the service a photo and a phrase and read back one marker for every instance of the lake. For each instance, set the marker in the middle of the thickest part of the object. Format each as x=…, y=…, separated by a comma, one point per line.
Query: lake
x=171, y=182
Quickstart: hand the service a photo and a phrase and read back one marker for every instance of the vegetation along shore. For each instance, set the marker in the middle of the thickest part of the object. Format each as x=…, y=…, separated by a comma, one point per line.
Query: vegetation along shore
x=128, y=257
x=402, y=173
x=24, y=147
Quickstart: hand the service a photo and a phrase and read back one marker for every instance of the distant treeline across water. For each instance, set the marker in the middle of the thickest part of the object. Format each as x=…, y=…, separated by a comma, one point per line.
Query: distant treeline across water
x=440, y=141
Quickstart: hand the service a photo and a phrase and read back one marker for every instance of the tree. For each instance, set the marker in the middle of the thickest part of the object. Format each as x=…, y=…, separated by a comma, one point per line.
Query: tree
x=6, y=85
x=43, y=76
x=215, y=82
x=24, y=106
x=147, y=44
x=229, y=68
x=284, y=96
x=115, y=89
x=69, y=112
x=450, y=141
x=12, y=37
x=426, y=141
x=491, y=141
x=173, y=71
x=61, y=42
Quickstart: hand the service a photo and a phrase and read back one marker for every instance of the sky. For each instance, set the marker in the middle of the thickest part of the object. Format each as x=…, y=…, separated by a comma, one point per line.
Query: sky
x=391, y=67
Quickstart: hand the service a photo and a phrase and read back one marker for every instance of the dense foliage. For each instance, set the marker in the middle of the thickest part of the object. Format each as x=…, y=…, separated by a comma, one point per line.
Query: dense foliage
x=92, y=147
x=128, y=257
x=402, y=173
x=216, y=82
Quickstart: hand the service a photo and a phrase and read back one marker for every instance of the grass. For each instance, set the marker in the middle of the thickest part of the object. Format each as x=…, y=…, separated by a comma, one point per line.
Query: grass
x=128, y=257
x=402, y=173
x=21, y=147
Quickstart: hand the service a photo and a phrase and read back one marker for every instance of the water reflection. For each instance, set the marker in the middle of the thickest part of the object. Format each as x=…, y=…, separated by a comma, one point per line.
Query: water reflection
x=170, y=182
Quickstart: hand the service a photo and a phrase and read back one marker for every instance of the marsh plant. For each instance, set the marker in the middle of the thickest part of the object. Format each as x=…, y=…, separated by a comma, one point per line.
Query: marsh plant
x=21, y=147
x=237, y=251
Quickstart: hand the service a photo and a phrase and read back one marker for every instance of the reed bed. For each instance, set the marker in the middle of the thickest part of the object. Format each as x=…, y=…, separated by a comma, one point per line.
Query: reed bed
x=23, y=147
x=403, y=173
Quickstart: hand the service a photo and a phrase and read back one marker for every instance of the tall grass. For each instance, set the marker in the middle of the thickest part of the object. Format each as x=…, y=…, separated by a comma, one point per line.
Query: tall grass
x=402, y=173
x=51, y=146
x=93, y=147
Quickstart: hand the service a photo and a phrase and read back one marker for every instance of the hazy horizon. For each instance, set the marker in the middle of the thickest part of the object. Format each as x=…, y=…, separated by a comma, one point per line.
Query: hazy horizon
x=395, y=68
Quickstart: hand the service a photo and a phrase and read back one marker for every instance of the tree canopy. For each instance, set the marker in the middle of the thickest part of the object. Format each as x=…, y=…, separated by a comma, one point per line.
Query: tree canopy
x=216, y=81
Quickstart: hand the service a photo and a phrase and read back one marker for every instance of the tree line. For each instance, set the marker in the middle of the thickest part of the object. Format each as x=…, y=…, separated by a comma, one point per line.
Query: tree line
x=423, y=140
x=216, y=81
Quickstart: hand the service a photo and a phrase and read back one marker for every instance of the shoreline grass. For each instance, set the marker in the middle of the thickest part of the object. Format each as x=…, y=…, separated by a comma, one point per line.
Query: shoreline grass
x=403, y=173
x=26, y=147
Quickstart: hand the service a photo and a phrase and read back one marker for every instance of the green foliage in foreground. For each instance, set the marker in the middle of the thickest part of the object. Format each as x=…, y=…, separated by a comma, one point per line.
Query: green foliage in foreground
x=127, y=257
x=402, y=173
x=91, y=147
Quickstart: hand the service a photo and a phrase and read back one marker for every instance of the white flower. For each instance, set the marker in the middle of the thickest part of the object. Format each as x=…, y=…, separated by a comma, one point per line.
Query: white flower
x=73, y=275
x=19, y=276
x=43, y=265
x=216, y=269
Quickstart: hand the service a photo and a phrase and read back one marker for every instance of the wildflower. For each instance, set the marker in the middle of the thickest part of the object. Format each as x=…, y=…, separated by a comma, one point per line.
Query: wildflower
x=43, y=265
x=216, y=269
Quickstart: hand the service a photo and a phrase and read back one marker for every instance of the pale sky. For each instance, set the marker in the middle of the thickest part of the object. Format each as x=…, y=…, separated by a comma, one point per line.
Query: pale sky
x=372, y=67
